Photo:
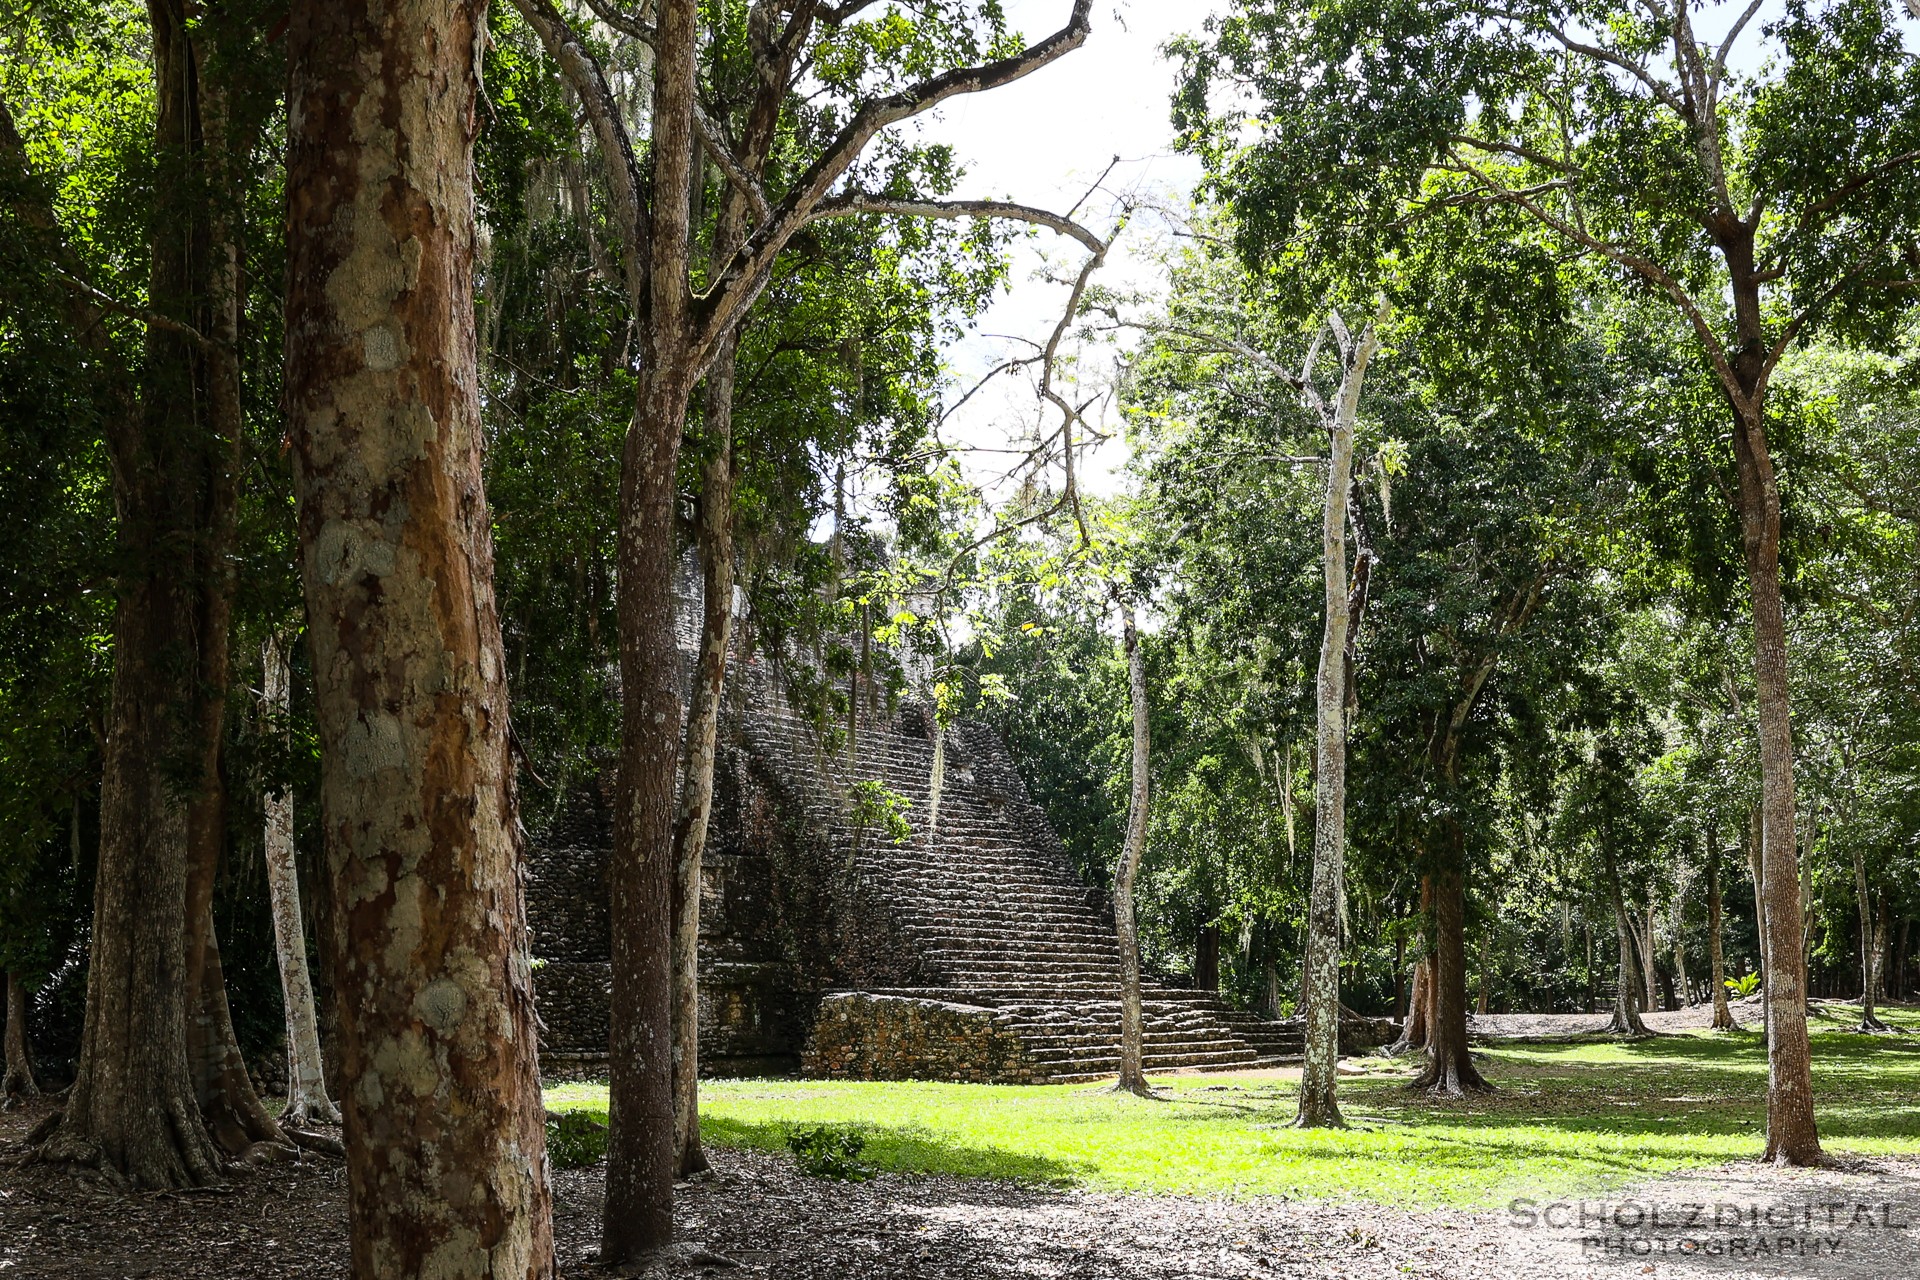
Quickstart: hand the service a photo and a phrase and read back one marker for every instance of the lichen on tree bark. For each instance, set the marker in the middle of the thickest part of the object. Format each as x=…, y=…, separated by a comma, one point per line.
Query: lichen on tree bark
x=445, y=1133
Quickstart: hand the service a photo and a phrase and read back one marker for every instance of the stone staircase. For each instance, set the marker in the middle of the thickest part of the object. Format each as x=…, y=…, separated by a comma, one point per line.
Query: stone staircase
x=1005, y=932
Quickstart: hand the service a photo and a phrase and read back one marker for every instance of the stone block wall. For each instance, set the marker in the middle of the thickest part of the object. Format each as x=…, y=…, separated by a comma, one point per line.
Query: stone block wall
x=857, y=1036
x=784, y=917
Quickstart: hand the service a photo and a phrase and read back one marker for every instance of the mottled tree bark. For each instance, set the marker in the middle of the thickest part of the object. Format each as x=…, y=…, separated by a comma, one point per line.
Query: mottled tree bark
x=1723, y=1019
x=18, y=1081
x=307, y=1097
x=1132, y=1077
x=1318, y=1106
x=445, y=1134
x=638, y=1212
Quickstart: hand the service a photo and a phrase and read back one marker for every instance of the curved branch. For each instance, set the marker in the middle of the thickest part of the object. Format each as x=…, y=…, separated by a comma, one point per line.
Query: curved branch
x=748, y=272
x=589, y=84
x=849, y=203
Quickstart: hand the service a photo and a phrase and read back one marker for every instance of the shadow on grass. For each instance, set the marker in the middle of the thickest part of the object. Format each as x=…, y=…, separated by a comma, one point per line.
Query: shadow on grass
x=905, y=1149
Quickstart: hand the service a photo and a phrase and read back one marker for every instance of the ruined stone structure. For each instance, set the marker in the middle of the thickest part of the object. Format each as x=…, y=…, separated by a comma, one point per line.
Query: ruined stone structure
x=972, y=952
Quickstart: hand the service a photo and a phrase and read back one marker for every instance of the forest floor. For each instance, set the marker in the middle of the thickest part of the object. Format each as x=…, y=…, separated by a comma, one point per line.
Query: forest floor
x=1593, y=1159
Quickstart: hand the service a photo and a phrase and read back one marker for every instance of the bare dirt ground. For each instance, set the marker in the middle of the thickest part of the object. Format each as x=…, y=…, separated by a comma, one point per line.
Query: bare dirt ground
x=755, y=1216
x=1533, y=1026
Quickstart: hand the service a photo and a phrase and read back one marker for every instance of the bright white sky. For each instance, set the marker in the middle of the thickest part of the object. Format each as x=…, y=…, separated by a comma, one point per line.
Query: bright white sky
x=1043, y=141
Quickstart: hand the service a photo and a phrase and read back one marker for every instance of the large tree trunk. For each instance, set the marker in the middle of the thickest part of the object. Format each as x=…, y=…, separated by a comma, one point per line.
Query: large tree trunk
x=306, y=1073
x=134, y=1108
x=18, y=1082
x=1626, y=1013
x=445, y=1131
x=1723, y=1019
x=1415, y=1027
x=1206, y=958
x=1792, y=1137
x=1450, y=1071
x=1133, y=1078
x=228, y=1102
x=715, y=533
x=637, y=1216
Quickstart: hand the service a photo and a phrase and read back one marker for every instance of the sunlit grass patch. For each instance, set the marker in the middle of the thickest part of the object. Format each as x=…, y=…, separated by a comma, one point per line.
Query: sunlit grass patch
x=1567, y=1118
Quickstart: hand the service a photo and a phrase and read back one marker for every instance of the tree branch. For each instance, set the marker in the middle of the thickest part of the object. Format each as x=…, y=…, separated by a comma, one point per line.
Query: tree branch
x=1644, y=267
x=729, y=164
x=750, y=267
x=589, y=84
x=849, y=203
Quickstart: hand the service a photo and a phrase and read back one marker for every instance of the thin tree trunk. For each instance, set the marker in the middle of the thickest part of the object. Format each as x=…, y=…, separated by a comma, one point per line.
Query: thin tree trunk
x=1132, y=1078
x=715, y=533
x=937, y=776
x=1901, y=960
x=1757, y=871
x=1872, y=947
x=19, y=1082
x=1589, y=932
x=1415, y=1029
x=307, y=1098
x=1319, y=1078
x=445, y=1129
x=637, y=1216
x=1400, y=978
x=1485, y=1003
x=1680, y=952
x=1792, y=1136
x=1626, y=1015
x=1644, y=936
x=1723, y=1019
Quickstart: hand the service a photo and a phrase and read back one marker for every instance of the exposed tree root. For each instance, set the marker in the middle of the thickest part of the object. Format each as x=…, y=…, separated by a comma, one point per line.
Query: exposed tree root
x=303, y=1109
x=320, y=1142
x=1454, y=1079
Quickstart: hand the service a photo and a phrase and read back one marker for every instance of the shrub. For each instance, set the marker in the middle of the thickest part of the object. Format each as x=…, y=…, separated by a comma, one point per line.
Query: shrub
x=830, y=1151
x=575, y=1140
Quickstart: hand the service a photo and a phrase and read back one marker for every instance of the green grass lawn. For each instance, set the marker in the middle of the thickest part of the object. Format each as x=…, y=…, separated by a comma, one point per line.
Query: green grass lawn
x=1568, y=1118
